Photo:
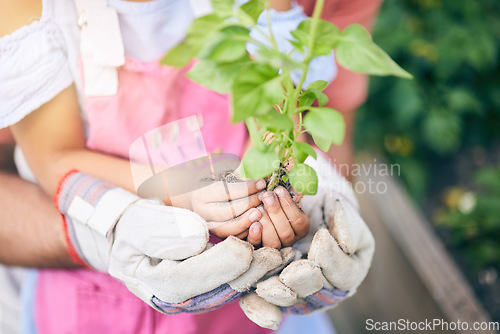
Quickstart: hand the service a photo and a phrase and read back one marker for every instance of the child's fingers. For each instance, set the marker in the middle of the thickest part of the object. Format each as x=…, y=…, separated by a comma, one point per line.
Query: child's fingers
x=297, y=197
x=298, y=220
x=255, y=234
x=222, y=191
x=243, y=235
x=223, y=211
x=234, y=226
x=280, y=221
x=269, y=235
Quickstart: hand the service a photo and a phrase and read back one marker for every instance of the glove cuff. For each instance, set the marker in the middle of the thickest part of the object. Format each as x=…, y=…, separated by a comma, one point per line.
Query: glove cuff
x=319, y=301
x=91, y=208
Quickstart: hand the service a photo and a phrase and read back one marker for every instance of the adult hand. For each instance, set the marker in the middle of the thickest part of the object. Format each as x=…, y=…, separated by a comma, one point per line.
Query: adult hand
x=338, y=259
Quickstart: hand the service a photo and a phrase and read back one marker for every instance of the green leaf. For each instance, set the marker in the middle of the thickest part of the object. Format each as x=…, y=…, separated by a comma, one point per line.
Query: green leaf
x=196, y=38
x=299, y=46
x=318, y=84
x=256, y=88
x=442, y=131
x=257, y=138
x=462, y=100
x=205, y=25
x=304, y=179
x=217, y=76
x=301, y=36
x=253, y=9
x=183, y=53
x=274, y=121
x=357, y=52
x=303, y=150
x=322, y=143
x=308, y=97
x=327, y=36
x=326, y=127
x=257, y=164
x=226, y=45
x=306, y=100
x=223, y=8
x=406, y=104
x=269, y=56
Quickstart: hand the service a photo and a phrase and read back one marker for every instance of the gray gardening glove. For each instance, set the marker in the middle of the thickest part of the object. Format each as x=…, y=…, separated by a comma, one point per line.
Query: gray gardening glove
x=160, y=253
x=339, y=250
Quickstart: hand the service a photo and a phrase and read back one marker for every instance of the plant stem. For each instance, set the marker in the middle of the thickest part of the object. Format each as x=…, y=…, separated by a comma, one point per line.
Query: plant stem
x=292, y=95
x=271, y=34
x=287, y=82
x=318, y=8
x=300, y=127
x=273, y=182
x=250, y=40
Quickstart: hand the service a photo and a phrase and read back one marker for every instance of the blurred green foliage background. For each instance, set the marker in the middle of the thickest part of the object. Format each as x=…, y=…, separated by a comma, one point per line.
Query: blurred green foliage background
x=443, y=127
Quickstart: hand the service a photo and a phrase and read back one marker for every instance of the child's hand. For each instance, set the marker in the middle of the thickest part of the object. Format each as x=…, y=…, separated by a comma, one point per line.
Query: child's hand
x=229, y=208
x=282, y=223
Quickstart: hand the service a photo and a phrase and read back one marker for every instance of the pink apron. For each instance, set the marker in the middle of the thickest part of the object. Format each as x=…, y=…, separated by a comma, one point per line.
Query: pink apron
x=84, y=301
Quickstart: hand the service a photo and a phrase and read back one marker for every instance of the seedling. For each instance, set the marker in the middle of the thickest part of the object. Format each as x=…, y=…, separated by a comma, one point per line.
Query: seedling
x=275, y=110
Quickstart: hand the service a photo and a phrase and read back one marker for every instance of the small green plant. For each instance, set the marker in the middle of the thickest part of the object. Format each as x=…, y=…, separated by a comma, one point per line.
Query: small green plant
x=275, y=110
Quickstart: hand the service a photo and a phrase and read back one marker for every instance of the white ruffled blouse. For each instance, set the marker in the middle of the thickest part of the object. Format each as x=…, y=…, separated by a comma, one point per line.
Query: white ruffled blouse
x=34, y=62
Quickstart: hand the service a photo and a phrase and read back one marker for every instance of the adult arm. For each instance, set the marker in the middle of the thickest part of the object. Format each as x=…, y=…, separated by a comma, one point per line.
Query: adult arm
x=40, y=226
x=31, y=230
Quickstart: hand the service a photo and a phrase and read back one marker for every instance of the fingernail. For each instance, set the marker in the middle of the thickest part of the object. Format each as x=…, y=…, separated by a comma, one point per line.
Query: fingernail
x=260, y=196
x=269, y=198
x=280, y=191
x=261, y=209
x=261, y=184
x=256, y=228
x=254, y=216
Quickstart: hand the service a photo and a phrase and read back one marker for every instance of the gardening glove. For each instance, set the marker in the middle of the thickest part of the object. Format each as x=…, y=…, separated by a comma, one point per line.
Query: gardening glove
x=265, y=260
x=282, y=23
x=158, y=252
x=338, y=259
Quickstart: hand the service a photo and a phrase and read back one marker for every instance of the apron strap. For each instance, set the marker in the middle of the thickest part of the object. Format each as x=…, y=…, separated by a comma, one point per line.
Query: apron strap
x=101, y=47
x=101, y=43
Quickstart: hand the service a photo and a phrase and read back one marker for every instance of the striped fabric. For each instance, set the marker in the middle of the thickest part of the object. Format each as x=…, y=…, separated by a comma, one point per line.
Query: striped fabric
x=321, y=299
x=89, y=189
x=202, y=303
x=224, y=294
